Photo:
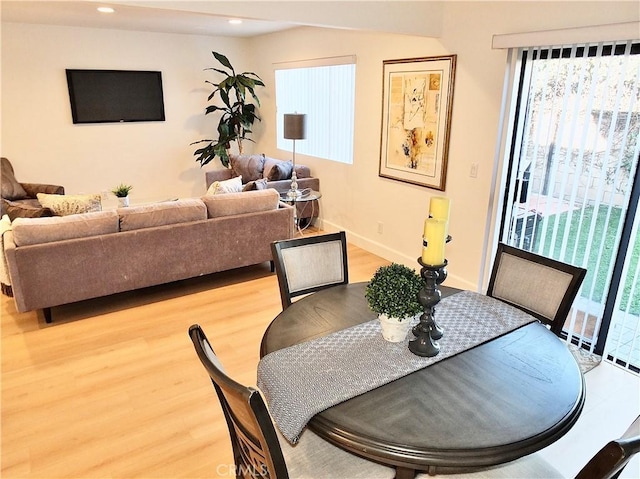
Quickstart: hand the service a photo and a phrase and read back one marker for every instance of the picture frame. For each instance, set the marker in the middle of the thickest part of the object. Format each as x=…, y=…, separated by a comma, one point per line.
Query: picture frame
x=417, y=99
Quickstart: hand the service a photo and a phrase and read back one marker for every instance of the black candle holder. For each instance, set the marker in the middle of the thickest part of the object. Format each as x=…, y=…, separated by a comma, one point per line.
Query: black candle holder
x=427, y=331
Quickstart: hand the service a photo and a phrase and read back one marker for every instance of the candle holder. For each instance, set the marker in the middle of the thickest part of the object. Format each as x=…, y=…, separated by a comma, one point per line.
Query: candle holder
x=427, y=331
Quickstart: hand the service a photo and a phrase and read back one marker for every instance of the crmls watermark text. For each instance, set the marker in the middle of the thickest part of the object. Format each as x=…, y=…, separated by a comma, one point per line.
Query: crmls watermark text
x=231, y=470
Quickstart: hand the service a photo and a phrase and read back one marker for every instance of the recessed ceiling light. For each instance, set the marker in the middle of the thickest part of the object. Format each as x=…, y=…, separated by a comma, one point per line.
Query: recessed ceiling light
x=106, y=10
x=235, y=21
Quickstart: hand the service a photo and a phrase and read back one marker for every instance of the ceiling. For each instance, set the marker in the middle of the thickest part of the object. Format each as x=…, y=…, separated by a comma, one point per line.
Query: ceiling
x=134, y=17
x=212, y=17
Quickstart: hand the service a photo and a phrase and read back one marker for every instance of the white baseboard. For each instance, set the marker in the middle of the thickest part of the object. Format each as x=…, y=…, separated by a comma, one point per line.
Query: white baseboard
x=391, y=255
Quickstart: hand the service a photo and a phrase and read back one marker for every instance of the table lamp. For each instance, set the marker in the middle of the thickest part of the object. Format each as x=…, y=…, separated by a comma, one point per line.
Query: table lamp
x=294, y=129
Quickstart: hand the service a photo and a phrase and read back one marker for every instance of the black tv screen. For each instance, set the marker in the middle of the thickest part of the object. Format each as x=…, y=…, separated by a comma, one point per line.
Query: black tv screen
x=104, y=96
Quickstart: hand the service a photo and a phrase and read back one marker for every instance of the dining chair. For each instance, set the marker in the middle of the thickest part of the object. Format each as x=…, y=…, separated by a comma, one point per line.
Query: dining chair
x=309, y=264
x=258, y=450
x=609, y=461
x=543, y=287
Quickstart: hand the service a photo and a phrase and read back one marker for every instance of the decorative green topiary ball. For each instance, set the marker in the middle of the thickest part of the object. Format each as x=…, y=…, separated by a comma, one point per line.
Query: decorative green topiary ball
x=393, y=291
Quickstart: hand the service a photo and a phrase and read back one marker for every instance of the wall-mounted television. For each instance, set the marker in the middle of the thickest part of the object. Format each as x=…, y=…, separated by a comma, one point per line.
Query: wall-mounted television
x=106, y=96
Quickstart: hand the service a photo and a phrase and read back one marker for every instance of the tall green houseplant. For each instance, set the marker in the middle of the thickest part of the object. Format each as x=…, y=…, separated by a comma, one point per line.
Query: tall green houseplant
x=237, y=115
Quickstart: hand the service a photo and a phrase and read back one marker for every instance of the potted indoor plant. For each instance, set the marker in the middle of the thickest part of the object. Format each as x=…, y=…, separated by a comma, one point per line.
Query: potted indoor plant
x=122, y=193
x=238, y=115
x=393, y=294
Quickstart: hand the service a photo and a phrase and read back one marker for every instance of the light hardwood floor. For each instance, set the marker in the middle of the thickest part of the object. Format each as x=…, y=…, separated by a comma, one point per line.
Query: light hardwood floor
x=113, y=389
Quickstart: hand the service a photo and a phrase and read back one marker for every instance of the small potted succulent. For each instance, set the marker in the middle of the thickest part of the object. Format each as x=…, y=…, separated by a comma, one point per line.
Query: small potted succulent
x=393, y=294
x=122, y=193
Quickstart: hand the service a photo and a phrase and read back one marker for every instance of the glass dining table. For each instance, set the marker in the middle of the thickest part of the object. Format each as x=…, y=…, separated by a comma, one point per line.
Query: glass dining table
x=490, y=404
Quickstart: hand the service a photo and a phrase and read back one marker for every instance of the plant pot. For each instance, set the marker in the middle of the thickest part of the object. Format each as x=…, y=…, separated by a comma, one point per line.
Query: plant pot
x=394, y=330
x=123, y=201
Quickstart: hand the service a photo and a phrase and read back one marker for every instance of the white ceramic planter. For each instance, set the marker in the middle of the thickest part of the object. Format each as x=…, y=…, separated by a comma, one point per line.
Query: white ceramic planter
x=394, y=330
x=123, y=201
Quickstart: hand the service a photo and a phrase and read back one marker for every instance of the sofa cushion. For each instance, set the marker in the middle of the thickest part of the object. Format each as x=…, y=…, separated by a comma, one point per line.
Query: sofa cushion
x=63, y=205
x=24, y=209
x=29, y=231
x=234, y=185
x=280, y=170
x=10, y=188
x=239, y=203
x=160, y=214
x=260, y=184
x=250, y=167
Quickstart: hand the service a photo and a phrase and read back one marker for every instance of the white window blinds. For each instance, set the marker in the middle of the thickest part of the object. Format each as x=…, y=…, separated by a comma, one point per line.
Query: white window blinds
x=324, y=90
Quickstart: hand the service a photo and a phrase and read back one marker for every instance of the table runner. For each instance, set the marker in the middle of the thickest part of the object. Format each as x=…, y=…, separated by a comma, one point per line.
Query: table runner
x=307, y=378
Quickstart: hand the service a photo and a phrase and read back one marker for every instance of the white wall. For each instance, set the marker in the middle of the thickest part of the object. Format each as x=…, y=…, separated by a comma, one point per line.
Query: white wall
x=40, y=139
x=44, y=145
x=354, y=197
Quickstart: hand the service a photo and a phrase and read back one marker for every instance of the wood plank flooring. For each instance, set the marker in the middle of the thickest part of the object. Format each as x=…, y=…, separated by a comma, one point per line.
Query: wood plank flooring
x=113, y=388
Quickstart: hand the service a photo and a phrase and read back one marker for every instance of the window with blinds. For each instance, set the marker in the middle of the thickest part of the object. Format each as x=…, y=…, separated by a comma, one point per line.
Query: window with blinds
x=572, y=165
x=324, y=90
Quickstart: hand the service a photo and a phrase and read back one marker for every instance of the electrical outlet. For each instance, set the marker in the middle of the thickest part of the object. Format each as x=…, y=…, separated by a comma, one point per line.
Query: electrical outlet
x=380, y=228
x=474, y=170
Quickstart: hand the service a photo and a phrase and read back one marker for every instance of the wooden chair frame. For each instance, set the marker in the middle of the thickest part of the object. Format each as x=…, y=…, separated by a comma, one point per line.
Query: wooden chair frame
x=256, y=449
x=609, y=461
x=277, y=249
x=577, y=274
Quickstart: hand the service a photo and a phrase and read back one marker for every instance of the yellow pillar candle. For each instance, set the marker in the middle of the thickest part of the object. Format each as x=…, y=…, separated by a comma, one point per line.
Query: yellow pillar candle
x=434, y=241
x=439, y=208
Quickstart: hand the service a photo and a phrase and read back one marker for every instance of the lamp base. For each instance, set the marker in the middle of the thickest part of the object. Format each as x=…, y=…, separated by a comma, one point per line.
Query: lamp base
x=294, y=192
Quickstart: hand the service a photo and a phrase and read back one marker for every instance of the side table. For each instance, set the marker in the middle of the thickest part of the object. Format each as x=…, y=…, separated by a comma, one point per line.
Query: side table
x=307, y=195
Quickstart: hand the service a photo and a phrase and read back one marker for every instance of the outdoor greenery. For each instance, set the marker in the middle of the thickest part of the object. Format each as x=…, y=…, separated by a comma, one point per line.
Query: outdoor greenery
x=599, y=263
x=393, y=291
x=237, y=115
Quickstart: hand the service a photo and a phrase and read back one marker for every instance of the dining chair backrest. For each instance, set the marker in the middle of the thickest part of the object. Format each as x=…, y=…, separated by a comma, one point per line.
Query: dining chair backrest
x=309, y=264
x=259, y=451
x=256, y=450
x=540, y=286
x=609, y=461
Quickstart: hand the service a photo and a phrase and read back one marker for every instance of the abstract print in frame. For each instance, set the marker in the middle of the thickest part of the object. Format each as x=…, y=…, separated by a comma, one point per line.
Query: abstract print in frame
x=417, y=99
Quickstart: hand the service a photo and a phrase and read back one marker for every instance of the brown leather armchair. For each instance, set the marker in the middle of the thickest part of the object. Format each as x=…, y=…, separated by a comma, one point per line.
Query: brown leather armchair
x=20, y=199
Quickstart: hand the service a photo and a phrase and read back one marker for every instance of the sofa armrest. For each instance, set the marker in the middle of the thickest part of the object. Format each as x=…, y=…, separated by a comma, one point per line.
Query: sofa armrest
x=217, y=175
x=33, y=189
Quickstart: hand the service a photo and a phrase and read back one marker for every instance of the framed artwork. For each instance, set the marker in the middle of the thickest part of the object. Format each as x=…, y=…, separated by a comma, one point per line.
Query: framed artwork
x=417, y=98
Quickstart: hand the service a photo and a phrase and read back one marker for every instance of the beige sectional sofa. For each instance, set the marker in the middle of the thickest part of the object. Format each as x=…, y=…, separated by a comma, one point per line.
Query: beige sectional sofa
x=64, y=259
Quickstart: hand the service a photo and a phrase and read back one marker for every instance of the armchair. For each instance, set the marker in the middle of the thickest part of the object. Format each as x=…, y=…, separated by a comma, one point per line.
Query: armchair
x=20, y=199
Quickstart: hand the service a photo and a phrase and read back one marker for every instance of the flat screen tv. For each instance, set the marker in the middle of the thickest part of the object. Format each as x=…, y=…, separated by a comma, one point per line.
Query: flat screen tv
x=107, y=96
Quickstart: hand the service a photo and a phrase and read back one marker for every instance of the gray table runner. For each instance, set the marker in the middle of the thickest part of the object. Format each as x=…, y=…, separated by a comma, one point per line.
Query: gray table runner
x=303, y=380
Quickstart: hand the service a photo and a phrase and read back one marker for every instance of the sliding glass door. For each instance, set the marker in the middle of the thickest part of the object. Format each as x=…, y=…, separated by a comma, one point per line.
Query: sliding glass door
x=572, y=185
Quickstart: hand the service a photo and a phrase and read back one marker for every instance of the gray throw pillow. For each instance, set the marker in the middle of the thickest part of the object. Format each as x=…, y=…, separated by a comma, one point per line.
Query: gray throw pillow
x=260, y=184
x=281, y=171
x=250, y=167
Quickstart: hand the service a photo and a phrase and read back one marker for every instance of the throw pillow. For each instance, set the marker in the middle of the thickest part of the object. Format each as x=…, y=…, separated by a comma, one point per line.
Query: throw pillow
x=260, y=184
x=280, y=171
x=248, y=166
x=63, y=205
x=10, y=188
x=233, y=185
x=22, y=210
